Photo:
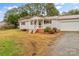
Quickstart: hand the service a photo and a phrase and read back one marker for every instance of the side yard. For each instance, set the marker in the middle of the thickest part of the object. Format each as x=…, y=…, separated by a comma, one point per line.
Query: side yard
x=16, y=42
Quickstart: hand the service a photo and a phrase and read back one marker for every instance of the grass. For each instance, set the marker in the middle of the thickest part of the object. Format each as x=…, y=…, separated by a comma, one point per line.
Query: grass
x=16, y=42
x=9, y=47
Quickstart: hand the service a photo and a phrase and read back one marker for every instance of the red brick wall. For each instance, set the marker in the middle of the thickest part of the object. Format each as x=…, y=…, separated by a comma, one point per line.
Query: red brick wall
x=40, y=30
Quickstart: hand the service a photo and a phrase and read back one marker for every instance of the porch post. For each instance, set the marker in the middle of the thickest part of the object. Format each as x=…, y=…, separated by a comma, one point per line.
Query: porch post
x=33, y=24
x=37, y=23
x=43, y=23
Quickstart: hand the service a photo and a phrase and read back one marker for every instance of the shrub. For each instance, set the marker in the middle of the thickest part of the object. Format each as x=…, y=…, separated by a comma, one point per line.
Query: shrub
x=47, y=29
x=24, y=30
x=54, y=30
x=51, y=31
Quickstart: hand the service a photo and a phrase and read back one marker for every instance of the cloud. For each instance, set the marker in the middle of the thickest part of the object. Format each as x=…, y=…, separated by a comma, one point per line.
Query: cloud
x=10, y=7
x=1, y=11
x=62, y=3
x=76, y=7
x=59, y=4
x=5, y=8
x=58, y=7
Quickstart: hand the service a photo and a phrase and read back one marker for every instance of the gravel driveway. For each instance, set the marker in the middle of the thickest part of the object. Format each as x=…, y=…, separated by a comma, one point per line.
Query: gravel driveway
x=67, y=45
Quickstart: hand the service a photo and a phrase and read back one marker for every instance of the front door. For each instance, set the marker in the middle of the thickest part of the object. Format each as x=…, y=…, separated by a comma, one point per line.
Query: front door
x=40, y=23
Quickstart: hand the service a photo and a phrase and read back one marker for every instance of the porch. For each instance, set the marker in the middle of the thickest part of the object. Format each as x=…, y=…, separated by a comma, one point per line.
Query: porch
x=40, y=23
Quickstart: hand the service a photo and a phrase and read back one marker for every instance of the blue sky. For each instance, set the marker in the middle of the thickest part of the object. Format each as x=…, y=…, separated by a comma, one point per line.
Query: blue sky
x=60, y=6
x=7, y=6
x=64, y=7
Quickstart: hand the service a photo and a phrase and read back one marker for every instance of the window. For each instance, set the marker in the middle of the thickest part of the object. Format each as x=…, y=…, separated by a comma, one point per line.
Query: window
x=22, y=23
x=35, y=22
x=32, y=22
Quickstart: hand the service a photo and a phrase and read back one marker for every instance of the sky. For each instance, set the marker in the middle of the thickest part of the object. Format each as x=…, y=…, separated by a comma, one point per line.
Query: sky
x=7, y=6
x=62, y=7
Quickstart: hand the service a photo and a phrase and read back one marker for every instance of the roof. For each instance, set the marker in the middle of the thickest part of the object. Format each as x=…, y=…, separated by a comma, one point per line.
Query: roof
x=27, y=18
x=50, y=17
x=63, y=17
x=68, y=17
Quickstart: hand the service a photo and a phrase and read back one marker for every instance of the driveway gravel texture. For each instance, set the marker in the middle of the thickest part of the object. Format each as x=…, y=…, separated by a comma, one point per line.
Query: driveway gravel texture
x=66, y=45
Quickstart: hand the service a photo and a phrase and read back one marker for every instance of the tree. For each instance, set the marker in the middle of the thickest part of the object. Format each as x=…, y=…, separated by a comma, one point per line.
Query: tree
x=51, y=10
x=24, y=13
x=13, y=19
x=71, y=12
x=38, y=9
x=12, y=16
x=33, y=9
x=74, y=11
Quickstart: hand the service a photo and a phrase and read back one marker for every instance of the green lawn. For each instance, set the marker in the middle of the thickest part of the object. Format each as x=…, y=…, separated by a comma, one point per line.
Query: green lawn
x=9, y=47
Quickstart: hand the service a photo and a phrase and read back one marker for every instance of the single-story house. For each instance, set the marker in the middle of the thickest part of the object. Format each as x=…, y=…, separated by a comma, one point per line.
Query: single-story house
x=64, y=23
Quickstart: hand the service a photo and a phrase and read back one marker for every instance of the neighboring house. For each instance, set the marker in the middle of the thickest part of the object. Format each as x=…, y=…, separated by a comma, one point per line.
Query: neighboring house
x=64, y=23
x=2, y=23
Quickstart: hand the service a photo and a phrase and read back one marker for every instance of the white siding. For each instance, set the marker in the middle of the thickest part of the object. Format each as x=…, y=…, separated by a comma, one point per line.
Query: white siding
x=69, y=25
x=55, y=23
x=47, y=25
x=63, y=25
x=26, y=26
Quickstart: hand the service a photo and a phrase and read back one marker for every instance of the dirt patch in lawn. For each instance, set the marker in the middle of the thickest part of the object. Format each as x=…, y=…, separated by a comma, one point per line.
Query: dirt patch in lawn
x=33, y=44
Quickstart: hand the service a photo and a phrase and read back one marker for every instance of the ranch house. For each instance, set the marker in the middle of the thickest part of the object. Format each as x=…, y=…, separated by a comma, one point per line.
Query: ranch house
x=64, y=23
